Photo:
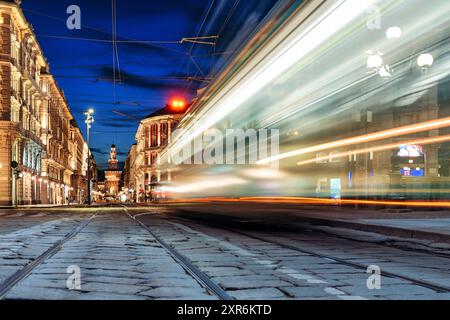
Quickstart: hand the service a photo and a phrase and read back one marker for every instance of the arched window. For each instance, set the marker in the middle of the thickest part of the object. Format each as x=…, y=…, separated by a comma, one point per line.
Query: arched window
x=154, y=158
x=25, y=156
x=164, y=133
x=154, y=135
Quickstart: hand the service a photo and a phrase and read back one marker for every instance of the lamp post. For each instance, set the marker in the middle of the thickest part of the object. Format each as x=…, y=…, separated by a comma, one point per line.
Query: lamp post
x=89, y=121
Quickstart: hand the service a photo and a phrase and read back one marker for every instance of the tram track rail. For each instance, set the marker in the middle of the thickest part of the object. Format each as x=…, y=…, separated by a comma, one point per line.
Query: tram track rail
x=393, y=244
x=185, y=263
x=422, y=283
x=21, y=274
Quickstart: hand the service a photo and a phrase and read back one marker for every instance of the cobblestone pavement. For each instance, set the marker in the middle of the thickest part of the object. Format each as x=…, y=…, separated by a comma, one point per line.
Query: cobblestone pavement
x=253, y=269
x=118, y=259
x=24, y=235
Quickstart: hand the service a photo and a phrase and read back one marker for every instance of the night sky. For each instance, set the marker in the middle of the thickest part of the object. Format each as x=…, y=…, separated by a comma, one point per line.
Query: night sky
x=151, y=72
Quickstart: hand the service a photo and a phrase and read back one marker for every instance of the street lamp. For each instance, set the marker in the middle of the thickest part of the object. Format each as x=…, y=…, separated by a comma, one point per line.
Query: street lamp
x=425, y=61
x=89, y=121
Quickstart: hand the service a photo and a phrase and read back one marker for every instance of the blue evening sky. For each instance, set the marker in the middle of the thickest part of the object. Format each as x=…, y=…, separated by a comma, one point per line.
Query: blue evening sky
x=151, y=73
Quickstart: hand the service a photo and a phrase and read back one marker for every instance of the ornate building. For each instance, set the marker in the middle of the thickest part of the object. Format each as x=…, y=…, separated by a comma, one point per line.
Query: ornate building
x=129, y=173
x=112, y=175
x=153, y=135
x=38, y=152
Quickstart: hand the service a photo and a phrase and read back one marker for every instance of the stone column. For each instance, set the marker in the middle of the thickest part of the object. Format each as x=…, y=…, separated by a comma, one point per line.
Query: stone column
x=5, y=168
x=159, y=134
x=150, y=136
x=169, y=132
x=5, y=66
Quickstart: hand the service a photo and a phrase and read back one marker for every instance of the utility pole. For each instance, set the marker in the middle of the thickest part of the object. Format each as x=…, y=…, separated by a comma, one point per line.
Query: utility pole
x=89, y=121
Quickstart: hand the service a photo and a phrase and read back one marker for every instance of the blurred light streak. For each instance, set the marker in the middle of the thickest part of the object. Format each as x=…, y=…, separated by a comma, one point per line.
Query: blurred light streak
x=323, y=201
x=206, y=184
x=334, y=19
x=423, y=126
x=378, y=148
x=264, y=173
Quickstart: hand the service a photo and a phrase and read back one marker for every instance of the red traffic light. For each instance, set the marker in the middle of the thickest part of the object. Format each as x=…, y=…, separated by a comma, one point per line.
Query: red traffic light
x=178, y=103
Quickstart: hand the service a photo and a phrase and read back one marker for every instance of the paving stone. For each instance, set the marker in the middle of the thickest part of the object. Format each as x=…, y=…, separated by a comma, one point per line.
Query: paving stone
x=249, y=282
x=174, y=292
x=223, y=271
x=255, y=294
x=307, y=292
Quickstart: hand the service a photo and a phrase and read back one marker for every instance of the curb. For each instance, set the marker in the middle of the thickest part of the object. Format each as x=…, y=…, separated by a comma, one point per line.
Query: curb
x=365, y=227
x=380, y=229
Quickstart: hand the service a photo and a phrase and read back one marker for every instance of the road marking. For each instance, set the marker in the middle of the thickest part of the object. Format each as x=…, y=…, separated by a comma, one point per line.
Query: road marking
x=334, y=291
x=316, y=281
x=352, y=298
x=287, y=271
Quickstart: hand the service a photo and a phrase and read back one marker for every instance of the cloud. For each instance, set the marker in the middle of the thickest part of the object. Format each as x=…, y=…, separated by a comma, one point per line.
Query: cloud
x=144, y=82
x=99, y=151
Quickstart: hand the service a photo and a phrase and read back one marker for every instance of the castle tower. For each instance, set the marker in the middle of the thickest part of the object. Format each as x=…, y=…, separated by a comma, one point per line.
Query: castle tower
x=112, y=175
x=113, y=162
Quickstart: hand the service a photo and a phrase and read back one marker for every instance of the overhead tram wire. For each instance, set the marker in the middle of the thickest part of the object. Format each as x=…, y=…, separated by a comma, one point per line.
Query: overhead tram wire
x=115, y=42
x=110, y=41
x=89, y=78
x=229, y=52
x=114, y=46
x=189, y=53
x=131, y=40
x=222, y=29
x=108, y=96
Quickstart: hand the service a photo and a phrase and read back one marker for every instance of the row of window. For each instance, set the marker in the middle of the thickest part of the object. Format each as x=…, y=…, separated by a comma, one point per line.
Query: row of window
x=151, y=159
x=32, y=157
x=154, y=138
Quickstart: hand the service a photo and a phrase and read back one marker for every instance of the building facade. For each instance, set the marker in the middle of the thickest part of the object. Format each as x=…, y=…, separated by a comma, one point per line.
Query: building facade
x=129, y=173
x=153, y=135
x=38, y=152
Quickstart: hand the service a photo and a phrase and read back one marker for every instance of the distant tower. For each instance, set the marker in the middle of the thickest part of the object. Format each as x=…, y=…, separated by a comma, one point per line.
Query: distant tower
x=113, y=162
x=112, y=175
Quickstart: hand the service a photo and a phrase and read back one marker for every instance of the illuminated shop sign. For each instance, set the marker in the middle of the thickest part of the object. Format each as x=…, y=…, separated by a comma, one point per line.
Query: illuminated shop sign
x=335, y=188
x=412, y=172
x=410, y=151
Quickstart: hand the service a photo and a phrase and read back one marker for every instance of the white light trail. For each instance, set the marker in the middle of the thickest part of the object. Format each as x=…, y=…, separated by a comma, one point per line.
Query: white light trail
x=342, y=13
x=420, y=127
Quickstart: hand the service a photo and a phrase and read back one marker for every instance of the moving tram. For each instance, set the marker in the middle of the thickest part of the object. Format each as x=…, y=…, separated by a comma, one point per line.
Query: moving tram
x=357, y=91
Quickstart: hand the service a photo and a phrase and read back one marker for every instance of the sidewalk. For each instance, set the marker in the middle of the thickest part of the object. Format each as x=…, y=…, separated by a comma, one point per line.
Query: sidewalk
x=45, y=206
x=432, y=225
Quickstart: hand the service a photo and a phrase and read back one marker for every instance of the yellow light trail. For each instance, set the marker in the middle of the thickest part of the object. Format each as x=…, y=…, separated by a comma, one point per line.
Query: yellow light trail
x=419, y=127
x=378, y=148
x=320, y=201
